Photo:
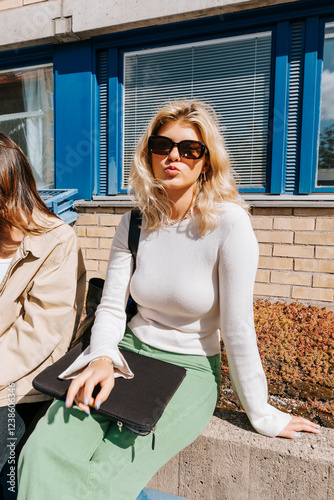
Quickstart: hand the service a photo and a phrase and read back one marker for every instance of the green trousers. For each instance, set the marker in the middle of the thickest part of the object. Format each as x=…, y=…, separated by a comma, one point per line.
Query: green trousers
x=74, y=456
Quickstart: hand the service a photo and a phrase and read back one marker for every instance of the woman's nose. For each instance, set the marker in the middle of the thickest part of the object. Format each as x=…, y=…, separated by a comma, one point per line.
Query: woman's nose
x=174, y=154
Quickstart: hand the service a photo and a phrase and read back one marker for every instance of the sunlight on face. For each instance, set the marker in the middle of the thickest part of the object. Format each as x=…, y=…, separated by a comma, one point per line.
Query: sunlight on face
x=178, y=174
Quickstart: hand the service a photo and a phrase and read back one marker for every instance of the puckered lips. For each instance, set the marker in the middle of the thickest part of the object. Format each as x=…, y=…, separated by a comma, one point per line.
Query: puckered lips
x=172, y=170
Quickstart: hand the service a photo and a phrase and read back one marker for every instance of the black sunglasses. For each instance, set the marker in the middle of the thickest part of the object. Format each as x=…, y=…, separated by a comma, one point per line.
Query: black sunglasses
x=160, y=145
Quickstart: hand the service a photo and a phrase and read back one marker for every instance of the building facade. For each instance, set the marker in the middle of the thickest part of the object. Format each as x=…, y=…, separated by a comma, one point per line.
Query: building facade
x=79, y=80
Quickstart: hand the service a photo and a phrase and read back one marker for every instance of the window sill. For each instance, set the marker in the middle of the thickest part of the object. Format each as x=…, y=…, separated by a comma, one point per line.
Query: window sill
x=121, y=200
x=254, y=200
x=289, y=201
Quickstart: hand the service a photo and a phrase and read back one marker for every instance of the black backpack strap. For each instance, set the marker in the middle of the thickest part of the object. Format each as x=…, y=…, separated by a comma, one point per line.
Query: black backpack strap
x=134, y=234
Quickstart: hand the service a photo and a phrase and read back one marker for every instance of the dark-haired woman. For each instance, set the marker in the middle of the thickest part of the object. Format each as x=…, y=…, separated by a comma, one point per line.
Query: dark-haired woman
x=42, y=283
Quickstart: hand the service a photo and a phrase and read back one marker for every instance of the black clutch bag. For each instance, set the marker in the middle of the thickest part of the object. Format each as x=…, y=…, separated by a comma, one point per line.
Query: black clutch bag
x=137, y=403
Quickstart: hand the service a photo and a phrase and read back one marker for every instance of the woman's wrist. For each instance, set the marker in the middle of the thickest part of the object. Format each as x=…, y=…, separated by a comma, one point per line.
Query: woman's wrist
x=101, y=358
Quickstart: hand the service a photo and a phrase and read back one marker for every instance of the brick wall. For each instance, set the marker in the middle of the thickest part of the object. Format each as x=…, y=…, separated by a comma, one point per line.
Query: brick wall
x=296, y=250
x=296, y=254
x=95, y=229
x=12, y=4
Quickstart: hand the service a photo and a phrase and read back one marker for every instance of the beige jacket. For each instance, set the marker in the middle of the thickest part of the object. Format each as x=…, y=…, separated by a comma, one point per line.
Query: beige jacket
x=41, y=299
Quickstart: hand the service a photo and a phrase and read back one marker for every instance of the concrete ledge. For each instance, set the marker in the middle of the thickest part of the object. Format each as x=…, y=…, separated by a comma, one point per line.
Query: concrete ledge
x=230, y=461
x=266, y=201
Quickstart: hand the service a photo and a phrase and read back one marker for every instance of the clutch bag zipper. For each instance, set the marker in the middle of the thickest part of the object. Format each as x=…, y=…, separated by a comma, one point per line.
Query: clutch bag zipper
x=121, y=425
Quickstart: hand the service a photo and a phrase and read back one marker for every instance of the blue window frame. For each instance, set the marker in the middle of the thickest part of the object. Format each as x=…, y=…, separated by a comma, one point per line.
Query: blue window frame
x=325, y=151
x=111, y=104
x=297, y=51
x=299, y=67
x=73, y=78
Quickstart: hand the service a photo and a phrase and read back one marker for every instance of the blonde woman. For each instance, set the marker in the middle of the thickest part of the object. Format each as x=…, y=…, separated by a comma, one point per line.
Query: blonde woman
x=196, y=266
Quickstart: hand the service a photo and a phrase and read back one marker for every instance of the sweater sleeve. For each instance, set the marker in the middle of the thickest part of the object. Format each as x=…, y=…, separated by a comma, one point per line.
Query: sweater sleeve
x=110, y=320
x=238, y=261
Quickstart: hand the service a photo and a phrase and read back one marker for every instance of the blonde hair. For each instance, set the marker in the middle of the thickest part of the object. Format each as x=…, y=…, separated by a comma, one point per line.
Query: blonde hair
x=209, y=194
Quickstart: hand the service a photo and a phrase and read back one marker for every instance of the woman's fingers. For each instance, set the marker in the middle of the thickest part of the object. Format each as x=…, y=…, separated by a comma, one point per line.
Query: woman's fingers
x=81, y=389
x=82, y=406
x=86, y=393
x=297, y=425
x=106, y=388
x=75, y=386
x=84, y=399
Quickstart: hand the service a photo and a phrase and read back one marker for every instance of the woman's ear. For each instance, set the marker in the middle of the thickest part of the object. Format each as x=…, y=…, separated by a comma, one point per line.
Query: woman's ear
x=206, y=166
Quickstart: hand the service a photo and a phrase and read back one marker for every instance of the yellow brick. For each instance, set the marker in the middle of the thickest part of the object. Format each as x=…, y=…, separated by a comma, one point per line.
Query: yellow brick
x=293, y=251
x=262, y=222
x=10, y=4
x=291, y=278
x=274, y=236
x=88, y=242
x=316, y=212
x=312, y=265
x=105, y=243
x=110, y=220
x=92, y=265
x=120, y=210
x=275, y=263
x=103, y=265
x=262, y=276
x=87, y=220
x=265, y=249
x=314, y=238
x=101, y=232
x=325, y=224
x=294, y=223
x=272, y=290
x=324, y=252
x=80, y=230
x=97, y=254
x=325, y=281
x=312, y=293
x=271, y=211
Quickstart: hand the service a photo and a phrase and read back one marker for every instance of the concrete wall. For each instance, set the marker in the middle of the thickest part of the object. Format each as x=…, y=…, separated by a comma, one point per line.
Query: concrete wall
x=34, y=22
x=229, y=461
x=296, y=249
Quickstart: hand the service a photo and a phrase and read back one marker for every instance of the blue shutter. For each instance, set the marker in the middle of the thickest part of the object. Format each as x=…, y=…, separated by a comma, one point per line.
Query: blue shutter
x=103, y=77
x=294, y=107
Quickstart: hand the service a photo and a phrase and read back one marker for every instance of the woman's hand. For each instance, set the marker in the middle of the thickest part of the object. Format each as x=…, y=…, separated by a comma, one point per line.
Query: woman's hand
x=296, y=425
x=81, y=388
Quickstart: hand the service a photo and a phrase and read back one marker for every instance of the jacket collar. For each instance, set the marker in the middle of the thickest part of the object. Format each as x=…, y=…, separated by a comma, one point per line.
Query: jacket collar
x=34, y=242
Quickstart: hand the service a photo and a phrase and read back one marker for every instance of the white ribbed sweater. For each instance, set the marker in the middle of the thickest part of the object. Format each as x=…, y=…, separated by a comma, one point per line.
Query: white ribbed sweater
x=187, y=288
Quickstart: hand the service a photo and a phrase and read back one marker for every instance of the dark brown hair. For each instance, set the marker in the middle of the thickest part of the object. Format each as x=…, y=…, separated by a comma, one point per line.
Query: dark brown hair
x=18, y=192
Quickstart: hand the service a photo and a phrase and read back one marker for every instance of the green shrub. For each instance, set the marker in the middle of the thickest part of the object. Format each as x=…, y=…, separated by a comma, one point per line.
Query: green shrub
x=296, y=345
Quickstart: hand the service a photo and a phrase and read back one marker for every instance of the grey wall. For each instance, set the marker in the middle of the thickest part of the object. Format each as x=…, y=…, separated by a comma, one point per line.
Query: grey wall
x=59, y=21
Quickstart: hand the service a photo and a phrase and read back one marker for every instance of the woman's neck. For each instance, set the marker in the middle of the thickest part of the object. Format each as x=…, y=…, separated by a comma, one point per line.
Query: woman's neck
x=181, y=204
x=10, y=243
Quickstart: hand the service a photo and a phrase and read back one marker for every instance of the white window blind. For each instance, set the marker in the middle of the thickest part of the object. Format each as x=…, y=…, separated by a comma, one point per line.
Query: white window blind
x=232, y=74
